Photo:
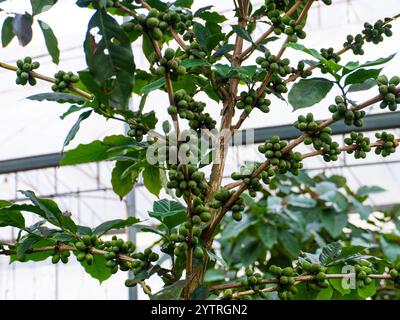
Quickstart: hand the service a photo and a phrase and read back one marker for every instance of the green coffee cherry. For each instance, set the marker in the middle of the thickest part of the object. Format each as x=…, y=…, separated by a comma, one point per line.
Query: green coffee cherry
x=283, y=161
x=24, y=69
x=64, y=81
x=361, y=143
x=387, y=88
x=389, y=144
x=248, y=101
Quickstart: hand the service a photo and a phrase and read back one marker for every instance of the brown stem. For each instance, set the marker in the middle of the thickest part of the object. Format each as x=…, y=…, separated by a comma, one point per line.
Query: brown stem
x=36, y=75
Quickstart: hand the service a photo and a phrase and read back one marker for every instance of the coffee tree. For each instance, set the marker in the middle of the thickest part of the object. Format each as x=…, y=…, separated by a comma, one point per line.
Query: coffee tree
x=273, y=231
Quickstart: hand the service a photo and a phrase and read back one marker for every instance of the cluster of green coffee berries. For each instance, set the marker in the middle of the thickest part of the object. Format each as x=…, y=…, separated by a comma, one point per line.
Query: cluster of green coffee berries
x=357, y=45
x=253, y=183
x=253, y=281
x=374, y=33
x=171, y=64
x=23, y=71
x=284, y=161
x=340, y=110
x=191, y=110
x=361, y=142
x=285, y=281
x=189, y=233
x=222, y=196
x=387, y=88
x=307, y=123
x=157, y=22
x=136, y=128
x=248, y=101
x=62, y=255
x=63, y=80
x=277, y=85
x=281, y=5
x=186, y=183
x=271, y=63
x=330, y=55
x=371, y=33
x=389, y=144
x=113, y=249
x=363, y=268
x=395, y=274
x=282, y=23
x=301, y=70
x=193, y=51
x=83, y=248
x=319, y=272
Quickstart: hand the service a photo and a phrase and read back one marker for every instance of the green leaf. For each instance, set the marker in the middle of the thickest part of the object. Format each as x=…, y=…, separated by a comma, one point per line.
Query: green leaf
x=367, y=291
x=337, y=284
x=290, y=244
x=98, y=269
x=151, y=179
x=190, y=63
x=9, y=217
x=153, y=86
x=325, y=294
x=242, y=33
x=110, y=60
x=122, y=185
x=75, y=128
x=162, y=6
x=361, y=75
x=171, y=213
x=390, y=249
x=7, y=33
x=234, y=229
x=201, y=35
x=51, y=41
x=308, y=92
x=183, y=3
x=364, y=211
x=22, y=28
x=39, y=6
x=268, y=234
x=338, y=200
x=72, y=109
x=378, y=61
x=114, y=224
x=333, y=222
x=96, y=150
x=330, y=252
x=57, y=97
x=212, y=16
x=366, y=190
x=148, y=49
x=213, y=256
x=301, y=201
x=51, y=212
x=333, y=67
x=172, y=292
x=33, y=241
x=366, y=85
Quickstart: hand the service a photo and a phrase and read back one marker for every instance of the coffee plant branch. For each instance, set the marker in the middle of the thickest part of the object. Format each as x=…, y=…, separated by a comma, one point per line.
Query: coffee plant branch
x=263, y=166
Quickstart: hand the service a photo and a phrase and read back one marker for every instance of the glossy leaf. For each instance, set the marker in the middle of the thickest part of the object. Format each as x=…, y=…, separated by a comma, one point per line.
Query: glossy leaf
x=308, y=92
x=7, y=34
x=110, y=60
x=114, y=225
x=51, y=41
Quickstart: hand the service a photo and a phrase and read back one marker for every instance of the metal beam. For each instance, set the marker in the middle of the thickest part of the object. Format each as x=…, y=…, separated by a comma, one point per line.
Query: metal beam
x=372, y=122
